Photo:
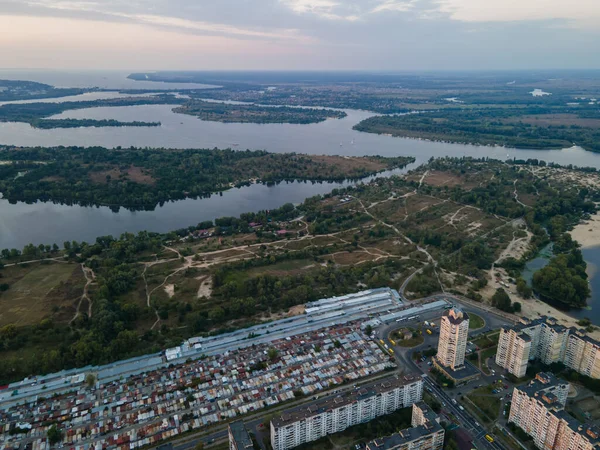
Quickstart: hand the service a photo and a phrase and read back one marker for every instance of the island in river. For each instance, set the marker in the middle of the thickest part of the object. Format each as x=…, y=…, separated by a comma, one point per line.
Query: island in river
x=228, y=113
x=142, y=178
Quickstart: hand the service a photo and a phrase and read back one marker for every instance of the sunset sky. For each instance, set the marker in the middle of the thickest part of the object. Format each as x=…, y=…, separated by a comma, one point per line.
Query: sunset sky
x=300, y=34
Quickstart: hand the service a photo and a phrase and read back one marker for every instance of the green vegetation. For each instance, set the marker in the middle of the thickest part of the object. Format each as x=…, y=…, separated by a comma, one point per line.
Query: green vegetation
x=36, y=114
x=76, y=123
x=520, y=128
x=11, y=90
x=149, y=291
x=225, y=112
x=475, y=322
x=141, y=178
x=487, y=405
x=564, y=280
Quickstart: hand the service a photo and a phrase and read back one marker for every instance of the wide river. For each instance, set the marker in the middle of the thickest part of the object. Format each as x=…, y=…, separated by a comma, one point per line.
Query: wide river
x=48, y=223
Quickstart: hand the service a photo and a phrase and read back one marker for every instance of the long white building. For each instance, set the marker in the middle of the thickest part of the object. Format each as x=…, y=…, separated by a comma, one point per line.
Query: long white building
x=548, y=342
x=538, y=409
x=454, y=334
x=298, y=426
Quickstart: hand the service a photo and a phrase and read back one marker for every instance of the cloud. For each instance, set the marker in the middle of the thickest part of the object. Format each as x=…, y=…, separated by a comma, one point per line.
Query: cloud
x=394, y=5
x=348, y=10
x=581, y=12
x=115, y=10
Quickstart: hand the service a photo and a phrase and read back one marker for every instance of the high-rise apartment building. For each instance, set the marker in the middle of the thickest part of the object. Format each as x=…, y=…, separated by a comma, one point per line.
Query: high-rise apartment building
x=548, y=342
x=454, y=334
x=426, y=433
x=338, y=413
x=538, y=409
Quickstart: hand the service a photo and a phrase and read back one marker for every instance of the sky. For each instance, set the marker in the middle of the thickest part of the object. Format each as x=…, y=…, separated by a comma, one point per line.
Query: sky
x=396, y=35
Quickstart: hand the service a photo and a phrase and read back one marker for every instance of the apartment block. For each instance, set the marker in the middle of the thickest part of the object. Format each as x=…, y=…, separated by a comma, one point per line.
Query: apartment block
x=332, y=415
x=239, y=438
x=538, y=409
x=514, y=348
x=548, y=342
x=426, y=433
x=454, y=333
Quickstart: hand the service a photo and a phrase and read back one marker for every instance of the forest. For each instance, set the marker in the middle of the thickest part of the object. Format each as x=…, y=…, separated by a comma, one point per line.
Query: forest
x=142, y=178
x=527, y=128
x=12, y=90
x=224, y=112
x=36, y=114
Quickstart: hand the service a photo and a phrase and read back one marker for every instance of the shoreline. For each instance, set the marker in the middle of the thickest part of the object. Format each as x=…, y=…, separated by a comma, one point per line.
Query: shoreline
x=587, y=232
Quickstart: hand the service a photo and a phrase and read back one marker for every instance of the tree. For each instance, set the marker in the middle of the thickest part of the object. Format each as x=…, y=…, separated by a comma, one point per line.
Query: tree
x=272, y=353
x=516, y=307
x=90, y=380
x=501, y=300
x=368, y=330
x=523, y=289
x=55, y=435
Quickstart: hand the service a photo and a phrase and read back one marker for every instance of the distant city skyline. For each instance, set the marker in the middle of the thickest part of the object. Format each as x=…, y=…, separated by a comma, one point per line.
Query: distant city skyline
x=390, y=35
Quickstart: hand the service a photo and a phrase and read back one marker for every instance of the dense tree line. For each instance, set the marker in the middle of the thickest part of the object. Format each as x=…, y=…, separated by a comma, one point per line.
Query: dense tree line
x=142, y=178
x=506, y=127
x=36, y=113
x=226, y=112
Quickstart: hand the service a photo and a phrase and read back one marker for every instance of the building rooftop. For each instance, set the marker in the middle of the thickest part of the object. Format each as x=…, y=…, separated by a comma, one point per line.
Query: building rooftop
x=456, y=316
x=347, y=398
x=409, y=434
x=240, y=435
x=540, y=386
x=550, y=322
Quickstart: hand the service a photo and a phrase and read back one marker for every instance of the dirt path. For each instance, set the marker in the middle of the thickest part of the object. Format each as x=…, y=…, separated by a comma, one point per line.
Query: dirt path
x=516, y=194
x=90, y=278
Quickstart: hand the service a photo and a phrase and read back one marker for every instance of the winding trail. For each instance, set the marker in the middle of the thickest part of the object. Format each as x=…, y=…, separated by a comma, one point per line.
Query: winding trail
x=90, y=278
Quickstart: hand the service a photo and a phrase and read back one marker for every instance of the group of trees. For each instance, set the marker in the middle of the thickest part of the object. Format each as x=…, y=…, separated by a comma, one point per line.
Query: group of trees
x=226, y=112
x=509, y=127
x=142, y=178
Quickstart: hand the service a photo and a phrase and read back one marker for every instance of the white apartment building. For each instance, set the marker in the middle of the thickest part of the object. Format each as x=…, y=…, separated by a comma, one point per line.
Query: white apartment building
x=538, y=409
x=549, y=343
x=514, y=348
x=335, y=414
x=426, y=433
x=454, y=334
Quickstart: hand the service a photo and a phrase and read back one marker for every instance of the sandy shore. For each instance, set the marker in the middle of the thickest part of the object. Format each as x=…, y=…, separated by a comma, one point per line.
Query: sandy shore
x=587, y=233
x=533, y=308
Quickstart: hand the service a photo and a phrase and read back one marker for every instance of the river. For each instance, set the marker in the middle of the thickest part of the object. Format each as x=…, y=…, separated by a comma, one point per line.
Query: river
x=47, y=222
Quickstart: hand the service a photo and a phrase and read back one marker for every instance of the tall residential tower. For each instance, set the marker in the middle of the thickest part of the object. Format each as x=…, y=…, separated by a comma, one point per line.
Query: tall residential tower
x=454, y=333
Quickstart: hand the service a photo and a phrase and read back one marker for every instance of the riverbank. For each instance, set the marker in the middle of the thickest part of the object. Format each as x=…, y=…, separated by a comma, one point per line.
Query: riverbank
x=587, y=232
x=534, y=308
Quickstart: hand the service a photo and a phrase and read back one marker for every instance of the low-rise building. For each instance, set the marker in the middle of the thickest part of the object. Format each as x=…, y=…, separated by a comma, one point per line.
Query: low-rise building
x=538, y=409
x=335, y=414
x=239, y=438
x=426, y=433
x=545, y=340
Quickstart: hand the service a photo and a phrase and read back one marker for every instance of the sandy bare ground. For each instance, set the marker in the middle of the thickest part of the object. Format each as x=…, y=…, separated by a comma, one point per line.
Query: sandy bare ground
x=170, y=290
x=534, y=308
x=205, y=288
x=587, y=233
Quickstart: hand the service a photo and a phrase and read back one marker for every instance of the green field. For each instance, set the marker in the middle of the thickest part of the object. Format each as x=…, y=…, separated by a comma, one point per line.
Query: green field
x=32, y=292
x=475, y=322
x=488, y=404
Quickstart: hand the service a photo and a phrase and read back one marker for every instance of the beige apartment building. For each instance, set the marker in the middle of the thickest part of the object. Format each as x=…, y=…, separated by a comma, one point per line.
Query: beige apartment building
x=426, y=433
x=538, y=409
x=454, y=334
x=548, y=342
